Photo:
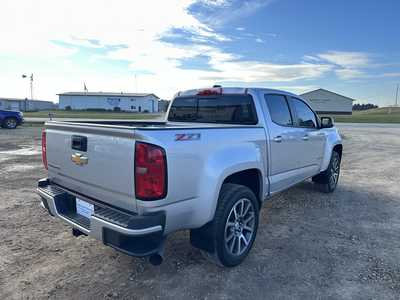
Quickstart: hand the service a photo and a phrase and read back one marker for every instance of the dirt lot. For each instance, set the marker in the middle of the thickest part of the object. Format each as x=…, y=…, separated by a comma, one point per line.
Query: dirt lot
x=345, y=245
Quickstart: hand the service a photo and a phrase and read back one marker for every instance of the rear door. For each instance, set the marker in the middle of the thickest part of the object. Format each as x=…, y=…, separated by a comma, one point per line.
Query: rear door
x=285, y=163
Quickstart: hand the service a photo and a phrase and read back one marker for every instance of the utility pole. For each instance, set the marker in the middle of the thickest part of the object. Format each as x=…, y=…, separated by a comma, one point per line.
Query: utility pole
x=31, y=83
x=32, y=86
x=397, y=94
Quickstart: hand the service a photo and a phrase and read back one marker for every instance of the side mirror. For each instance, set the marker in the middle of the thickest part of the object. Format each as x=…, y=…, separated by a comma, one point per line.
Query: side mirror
x=326, y=122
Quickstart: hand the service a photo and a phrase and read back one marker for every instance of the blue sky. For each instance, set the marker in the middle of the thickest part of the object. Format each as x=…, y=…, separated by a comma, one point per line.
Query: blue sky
x=350, y=47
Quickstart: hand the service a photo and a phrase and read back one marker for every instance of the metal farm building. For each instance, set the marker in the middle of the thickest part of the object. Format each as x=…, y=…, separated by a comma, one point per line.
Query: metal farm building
x=327, y=102
x=134, y=102
x=25, y=104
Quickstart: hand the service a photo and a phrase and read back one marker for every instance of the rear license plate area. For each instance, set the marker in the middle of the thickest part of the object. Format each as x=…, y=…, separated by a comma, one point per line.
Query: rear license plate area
x=83, y=208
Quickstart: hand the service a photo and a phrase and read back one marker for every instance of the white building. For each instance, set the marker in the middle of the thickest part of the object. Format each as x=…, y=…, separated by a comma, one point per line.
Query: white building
x=327, y=102
x=135, y=102
x=25, y=104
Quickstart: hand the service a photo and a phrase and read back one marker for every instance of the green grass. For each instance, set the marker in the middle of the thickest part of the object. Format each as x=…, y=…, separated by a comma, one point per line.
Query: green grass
x=377, y=115
x=90, y=115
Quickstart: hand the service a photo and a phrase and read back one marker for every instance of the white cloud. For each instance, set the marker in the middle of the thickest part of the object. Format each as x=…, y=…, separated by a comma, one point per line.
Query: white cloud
x=271, y=34
x=240, y=28
x=259, y=40
x=233, y=10
x=346, y=65
x=346, y=59
x=349, y=73
x=28, y=29
x=215, y=3
x=391, y=74
x=311, y=58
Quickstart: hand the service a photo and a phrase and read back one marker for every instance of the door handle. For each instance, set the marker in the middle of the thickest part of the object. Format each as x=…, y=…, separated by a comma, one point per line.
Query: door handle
x=278, y=139
x=305, y=138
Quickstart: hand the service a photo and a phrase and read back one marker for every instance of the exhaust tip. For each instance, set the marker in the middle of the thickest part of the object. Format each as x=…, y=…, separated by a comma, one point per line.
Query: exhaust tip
x=156, y=259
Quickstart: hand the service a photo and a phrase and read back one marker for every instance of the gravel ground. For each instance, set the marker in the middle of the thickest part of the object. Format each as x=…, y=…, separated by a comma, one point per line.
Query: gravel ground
x=310, y=245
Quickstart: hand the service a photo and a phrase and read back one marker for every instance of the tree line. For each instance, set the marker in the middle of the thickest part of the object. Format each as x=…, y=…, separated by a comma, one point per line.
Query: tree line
x=364, y=106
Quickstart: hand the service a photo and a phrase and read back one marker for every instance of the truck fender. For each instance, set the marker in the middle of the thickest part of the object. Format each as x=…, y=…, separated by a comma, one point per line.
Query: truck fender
x=328, y=154
x=223, y=163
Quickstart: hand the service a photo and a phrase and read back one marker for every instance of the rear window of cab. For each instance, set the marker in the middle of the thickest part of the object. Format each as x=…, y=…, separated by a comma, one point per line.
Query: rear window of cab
x=225, y=109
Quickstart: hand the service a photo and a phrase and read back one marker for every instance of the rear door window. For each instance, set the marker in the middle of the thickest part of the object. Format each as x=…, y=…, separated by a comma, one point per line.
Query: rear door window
x=279, y=109
x=228, y=109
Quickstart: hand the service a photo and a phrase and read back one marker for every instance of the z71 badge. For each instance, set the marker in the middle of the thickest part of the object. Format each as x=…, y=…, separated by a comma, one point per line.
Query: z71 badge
x=187, y=137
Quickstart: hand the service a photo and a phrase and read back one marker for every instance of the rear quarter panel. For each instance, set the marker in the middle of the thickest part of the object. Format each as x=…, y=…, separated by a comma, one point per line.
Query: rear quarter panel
x=197, y=169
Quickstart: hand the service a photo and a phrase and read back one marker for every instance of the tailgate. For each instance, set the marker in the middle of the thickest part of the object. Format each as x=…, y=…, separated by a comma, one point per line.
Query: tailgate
x=95, y=161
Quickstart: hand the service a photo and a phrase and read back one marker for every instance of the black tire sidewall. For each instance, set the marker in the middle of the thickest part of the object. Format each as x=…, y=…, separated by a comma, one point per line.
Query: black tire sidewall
x=5, y=123
x=234, y=193
x=329, y=173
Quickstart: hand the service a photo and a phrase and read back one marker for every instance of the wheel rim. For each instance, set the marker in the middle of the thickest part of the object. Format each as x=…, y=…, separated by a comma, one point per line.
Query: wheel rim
x=239, y=228
x=335, y=170
x=11, y=123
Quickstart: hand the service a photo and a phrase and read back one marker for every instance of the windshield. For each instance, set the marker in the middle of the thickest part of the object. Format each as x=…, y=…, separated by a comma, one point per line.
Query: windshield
x=227, y=109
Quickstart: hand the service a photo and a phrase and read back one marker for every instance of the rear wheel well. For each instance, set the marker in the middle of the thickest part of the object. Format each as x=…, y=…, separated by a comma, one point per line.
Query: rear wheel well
x=250, y=178
x=338, y=149
x=9, y=117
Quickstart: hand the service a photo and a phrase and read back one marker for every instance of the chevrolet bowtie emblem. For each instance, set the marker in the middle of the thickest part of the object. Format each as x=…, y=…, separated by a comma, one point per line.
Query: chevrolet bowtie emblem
x=79, y=159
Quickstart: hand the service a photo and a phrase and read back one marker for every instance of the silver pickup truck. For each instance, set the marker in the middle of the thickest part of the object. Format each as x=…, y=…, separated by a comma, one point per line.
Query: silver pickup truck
x=207, y=168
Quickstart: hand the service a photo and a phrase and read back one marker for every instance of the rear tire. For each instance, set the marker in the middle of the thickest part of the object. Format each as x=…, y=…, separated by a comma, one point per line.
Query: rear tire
x=233, y=230
x=329, y=178
x=10, y=123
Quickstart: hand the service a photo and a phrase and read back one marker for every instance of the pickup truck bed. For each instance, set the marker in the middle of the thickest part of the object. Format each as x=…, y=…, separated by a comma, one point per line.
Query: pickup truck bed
x=109, y=174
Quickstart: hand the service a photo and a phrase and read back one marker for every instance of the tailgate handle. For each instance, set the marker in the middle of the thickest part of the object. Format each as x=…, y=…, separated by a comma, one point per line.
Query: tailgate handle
x=79, y=142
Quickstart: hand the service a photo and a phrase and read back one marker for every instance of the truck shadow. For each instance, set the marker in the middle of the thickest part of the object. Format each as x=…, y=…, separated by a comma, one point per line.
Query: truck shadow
x=308, y=243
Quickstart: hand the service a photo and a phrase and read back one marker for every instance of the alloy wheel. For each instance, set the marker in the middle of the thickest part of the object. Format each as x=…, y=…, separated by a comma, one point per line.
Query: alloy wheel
x=240, y=227
x=334, y=172
x=11, y=123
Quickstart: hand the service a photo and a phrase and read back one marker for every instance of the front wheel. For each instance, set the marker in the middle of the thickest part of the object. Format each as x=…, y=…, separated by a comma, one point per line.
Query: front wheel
x=234, y=227
x=10, y=123
x=330, y=177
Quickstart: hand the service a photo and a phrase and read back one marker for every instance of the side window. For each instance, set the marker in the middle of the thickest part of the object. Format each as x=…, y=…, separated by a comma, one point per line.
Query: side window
x=279, y=109
x=305, y=116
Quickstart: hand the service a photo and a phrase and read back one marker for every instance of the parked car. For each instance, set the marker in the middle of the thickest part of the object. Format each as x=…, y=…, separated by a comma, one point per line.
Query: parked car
x=221, y=153
x=11, y=119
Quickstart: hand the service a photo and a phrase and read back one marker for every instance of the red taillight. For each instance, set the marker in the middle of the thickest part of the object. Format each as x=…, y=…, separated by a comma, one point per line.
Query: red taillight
x=150, y=172
x=44, y=148
x=210, y=92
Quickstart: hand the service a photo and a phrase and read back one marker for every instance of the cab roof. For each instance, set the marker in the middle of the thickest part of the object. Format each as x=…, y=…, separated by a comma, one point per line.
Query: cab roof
x=219, y=90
